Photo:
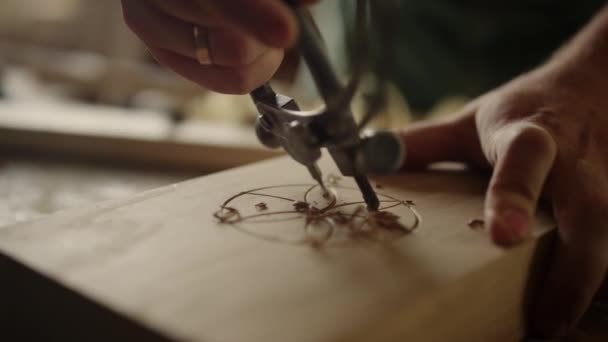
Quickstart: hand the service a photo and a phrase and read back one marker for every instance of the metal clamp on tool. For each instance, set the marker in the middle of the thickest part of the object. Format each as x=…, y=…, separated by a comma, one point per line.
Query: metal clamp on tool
x=302, y=134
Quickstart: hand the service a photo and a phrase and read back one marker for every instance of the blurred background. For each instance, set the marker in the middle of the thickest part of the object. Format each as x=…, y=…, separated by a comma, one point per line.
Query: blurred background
x=87, y=115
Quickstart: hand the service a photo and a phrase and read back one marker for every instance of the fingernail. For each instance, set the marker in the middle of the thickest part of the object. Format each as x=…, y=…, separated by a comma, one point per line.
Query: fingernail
x=510, y=227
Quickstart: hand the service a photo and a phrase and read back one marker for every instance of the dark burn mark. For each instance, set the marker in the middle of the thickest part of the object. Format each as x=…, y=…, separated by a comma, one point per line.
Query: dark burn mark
x=322, y=223
x=477, y=224
x=261, y=206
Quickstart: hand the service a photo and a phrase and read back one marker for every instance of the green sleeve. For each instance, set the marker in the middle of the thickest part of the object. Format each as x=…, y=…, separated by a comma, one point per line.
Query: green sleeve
x=467, y=47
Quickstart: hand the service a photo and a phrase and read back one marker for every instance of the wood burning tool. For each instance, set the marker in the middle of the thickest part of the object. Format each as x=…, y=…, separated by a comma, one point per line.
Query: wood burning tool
x=280, y=122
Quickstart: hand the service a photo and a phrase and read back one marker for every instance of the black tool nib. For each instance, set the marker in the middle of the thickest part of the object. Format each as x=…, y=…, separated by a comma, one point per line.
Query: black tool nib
x=369, y=195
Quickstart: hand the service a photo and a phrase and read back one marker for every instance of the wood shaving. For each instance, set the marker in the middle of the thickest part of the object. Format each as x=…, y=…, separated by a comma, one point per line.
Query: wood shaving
x=301, y=207
x=477, y=224
x=315, y=243
x=261, y=206
x=227, y=215
x=340, y=218
x=313, y=215
x=359, y=223
x=385, y=220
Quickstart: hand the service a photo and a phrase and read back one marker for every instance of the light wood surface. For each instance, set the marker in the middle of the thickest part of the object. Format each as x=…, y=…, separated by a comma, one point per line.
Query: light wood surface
x=127, y=137
x=160, y=261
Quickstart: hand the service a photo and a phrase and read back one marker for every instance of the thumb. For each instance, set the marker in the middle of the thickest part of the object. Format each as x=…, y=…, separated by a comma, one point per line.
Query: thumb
x=523, y=154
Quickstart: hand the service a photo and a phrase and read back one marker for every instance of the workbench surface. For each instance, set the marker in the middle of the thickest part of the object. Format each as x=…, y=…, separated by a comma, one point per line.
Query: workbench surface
x=159, y=266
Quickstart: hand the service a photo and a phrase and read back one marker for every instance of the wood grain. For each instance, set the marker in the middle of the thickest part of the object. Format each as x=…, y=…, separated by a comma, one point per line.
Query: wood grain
x=160, y=260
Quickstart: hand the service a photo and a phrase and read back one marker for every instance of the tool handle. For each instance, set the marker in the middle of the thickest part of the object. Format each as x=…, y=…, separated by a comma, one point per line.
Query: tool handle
x=312, y=49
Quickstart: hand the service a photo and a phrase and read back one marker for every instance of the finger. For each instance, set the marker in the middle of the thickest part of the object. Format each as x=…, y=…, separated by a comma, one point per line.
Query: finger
x=270, y=21
x=195, y=12
x=523, y=155
x=231, y=48
x=159, y=30
x=227, y=80
x=455, y=139
x=581, y=257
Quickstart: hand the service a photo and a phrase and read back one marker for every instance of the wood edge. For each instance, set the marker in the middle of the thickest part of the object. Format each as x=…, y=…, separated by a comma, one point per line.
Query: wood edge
x=529, y=260
x=164, y=155
x=37, y=308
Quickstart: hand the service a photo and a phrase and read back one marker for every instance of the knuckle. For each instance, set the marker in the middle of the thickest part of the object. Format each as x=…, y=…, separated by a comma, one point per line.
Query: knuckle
x=547, y=118
x=511, y=103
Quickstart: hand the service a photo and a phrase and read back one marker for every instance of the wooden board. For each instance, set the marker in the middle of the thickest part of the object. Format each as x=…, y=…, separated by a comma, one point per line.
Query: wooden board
x=125, y=137
x=157, y=266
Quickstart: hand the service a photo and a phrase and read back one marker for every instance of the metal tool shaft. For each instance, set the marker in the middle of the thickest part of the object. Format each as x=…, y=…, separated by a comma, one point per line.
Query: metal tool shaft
x=313, y=50
x=316, y=174
x=369, y=195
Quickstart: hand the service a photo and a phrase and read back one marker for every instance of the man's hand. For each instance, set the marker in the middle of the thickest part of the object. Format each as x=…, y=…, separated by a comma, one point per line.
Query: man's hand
x=545, y=134
x=246, y=38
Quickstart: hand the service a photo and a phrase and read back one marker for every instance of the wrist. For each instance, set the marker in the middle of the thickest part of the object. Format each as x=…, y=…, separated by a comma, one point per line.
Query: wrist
x=584, y=60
